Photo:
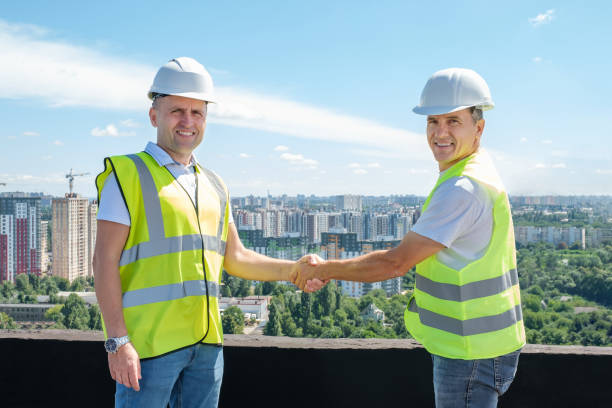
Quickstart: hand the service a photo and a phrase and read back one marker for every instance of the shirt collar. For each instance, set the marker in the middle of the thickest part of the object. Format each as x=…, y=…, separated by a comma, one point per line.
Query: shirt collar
x=163, y=158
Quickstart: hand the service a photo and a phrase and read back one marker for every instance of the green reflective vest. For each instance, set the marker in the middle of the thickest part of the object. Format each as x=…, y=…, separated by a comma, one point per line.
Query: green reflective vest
x=172, y=261
x=474, y=312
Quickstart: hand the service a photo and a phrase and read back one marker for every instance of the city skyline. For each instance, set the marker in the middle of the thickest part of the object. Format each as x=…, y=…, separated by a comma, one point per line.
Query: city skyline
x=314, y=99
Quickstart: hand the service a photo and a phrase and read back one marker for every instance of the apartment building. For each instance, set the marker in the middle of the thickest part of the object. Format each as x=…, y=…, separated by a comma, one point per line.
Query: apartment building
x=74, y=227
x=20, y=235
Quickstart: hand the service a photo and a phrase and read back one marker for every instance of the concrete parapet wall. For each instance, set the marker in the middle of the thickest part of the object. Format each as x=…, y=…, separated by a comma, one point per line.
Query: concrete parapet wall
x=68, y=368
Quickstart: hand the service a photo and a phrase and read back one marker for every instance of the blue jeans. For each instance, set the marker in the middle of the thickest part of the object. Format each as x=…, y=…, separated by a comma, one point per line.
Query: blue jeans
x=186, y=378
x=472, y=383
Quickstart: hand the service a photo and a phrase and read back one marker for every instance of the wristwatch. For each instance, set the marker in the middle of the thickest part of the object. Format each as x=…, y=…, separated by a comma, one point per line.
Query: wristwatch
x=113, y=344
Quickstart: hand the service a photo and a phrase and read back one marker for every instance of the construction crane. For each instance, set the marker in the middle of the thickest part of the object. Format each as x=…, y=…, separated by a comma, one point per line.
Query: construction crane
x=70, y=176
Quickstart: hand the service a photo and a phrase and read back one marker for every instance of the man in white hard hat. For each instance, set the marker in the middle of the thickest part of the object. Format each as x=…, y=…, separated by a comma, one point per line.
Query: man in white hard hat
x=165, y=234
x=466, y=307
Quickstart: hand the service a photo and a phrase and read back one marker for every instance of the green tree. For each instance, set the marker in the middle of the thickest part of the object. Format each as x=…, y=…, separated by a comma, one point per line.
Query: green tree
x=76, y=315
x=7, y=322
x=8, y=290
x=233, y=320
x=305, y=314
x=78, y=285
x=268, y=287
x=22, y=284
x=273, y=327
x=55, y=314
x=289, y=327
x=34, y=281
x=95, y=318
x=61, y=283
x=326, y=297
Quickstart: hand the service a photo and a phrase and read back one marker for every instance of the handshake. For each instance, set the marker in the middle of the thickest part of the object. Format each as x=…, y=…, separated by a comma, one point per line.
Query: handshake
x=306, y=273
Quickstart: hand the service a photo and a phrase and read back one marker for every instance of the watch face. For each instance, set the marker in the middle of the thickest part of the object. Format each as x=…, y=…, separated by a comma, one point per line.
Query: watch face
x=110, y=345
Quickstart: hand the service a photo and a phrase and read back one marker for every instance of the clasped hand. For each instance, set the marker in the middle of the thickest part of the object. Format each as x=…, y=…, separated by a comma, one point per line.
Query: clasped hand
x=304, y=273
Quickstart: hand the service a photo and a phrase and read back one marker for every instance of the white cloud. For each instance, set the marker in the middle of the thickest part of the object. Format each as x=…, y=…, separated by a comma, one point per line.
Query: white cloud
x=130, y=123
x=537, y=60
x=547, y=141
x=11, y=137
x=540, y=166
x=58, y=143
x=523, y=139
x=245, y=156
x=63, y=74
x=299, y=160
x=281, y=148
x=603, y=171
x=542, y=18
x=374, y=165
x=388, y=172
x=559, y=166
x=360, y=171
x=109, y=130
x=47, y=157
x=29, y=133
x=354, y=165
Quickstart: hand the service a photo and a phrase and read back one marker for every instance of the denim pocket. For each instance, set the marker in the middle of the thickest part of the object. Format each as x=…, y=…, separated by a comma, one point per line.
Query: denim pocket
x=505, y=370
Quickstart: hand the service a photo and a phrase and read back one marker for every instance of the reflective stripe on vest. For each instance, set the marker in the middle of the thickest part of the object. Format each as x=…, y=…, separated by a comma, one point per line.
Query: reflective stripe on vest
x=159, y=244
x=469, y=291
x=171, y=265
x=473, y=312
x=468, y=327
x=173, y=291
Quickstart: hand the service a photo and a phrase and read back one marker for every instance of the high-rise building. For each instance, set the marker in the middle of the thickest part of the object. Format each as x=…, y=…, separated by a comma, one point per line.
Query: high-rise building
x=74, y=222
x=349, y=202
x=19, y=235
x=44, y=246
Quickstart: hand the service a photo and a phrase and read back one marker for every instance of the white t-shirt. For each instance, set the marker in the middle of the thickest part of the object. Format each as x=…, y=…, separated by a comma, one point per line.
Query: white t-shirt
x=460, y=217
x=113, y=208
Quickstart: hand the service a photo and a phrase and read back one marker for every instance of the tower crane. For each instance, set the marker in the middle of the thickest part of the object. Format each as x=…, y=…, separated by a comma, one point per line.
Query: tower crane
x=70, y=176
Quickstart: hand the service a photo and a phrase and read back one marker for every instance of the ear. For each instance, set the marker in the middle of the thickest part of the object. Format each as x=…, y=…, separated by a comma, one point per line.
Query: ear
x=480, y=125
x=153, y=116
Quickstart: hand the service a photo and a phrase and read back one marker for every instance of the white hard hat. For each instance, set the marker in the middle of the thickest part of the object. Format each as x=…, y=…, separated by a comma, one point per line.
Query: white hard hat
x=453, y=89
x=185, y=77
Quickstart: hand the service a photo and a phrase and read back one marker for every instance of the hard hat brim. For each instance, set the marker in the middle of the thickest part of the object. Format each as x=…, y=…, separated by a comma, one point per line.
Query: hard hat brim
x=442, y=110
x=192, y=95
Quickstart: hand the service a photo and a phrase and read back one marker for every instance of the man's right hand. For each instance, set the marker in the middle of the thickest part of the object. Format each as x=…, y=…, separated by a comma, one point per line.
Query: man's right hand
x=124, y=366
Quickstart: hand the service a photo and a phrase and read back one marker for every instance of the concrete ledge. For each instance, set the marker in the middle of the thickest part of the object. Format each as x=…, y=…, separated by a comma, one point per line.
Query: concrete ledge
x=241, y=340
x=69, y=368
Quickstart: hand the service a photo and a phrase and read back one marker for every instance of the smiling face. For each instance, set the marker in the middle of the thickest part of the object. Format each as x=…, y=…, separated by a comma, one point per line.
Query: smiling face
x=180, y=124
x=453, y=136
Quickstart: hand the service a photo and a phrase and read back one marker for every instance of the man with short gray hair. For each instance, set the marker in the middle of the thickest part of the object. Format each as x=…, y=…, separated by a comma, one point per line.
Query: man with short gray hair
x=466, y=307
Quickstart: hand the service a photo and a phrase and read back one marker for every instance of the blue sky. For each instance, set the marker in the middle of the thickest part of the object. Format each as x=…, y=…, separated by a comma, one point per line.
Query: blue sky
x=315, y=97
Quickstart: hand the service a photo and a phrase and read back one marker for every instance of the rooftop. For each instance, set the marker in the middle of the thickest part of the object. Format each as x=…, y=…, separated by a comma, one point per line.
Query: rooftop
x=294, y=372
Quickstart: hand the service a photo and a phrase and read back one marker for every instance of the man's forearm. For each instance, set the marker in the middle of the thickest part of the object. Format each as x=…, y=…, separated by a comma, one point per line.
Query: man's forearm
x=373, y=267
x=108, y=292
x=250, y=265
x=376, y=266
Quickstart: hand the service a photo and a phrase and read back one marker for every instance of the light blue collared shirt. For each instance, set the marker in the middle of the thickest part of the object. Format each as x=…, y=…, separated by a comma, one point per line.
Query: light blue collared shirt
x=113, y=208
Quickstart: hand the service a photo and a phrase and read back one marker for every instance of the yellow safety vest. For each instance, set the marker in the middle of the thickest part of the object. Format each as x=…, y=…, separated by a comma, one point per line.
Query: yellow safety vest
x=172, y=261
x=474, y=312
